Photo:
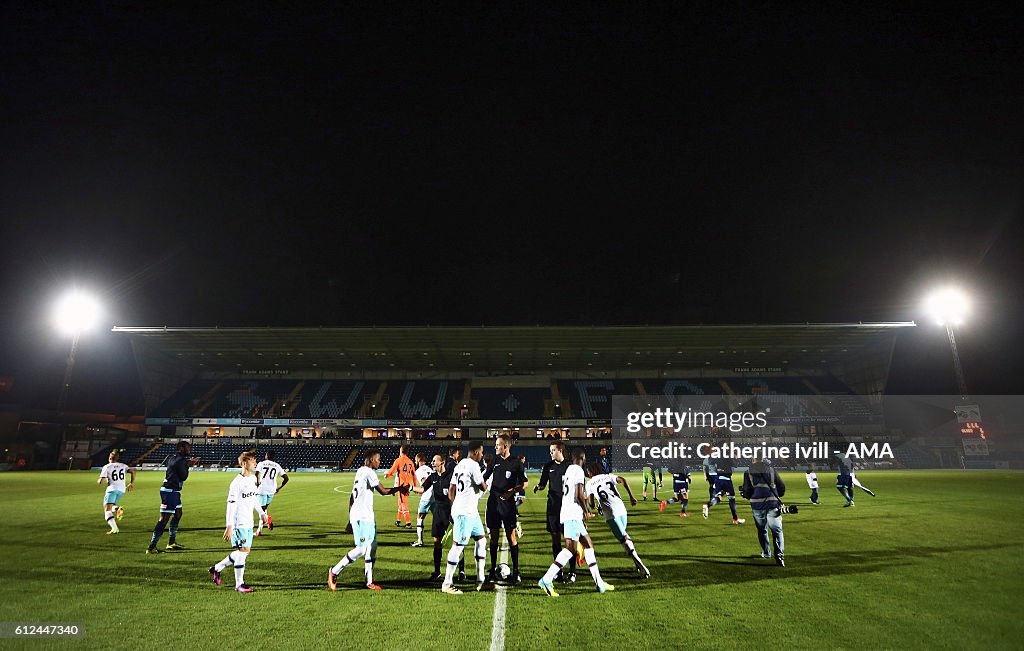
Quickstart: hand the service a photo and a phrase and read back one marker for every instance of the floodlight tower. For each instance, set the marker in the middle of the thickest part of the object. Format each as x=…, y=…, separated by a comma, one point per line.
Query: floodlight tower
x=73, y=314
x=949, y=306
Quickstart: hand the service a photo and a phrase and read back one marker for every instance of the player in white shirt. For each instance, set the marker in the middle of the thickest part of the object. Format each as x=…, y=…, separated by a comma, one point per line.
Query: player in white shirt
x=464, y=492
x=362, y=520
x=603, y=491
x=812, y=483
x=114, y=473
x=571, y=517
x=423, y=470
x=267, y=472
x=243, y=501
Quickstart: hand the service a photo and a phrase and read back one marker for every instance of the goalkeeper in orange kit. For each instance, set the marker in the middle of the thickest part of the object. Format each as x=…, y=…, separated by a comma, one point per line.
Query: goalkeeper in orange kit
x=406, y=471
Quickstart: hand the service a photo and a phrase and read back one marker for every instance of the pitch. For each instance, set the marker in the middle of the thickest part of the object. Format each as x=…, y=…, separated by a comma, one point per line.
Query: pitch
x=934, y=560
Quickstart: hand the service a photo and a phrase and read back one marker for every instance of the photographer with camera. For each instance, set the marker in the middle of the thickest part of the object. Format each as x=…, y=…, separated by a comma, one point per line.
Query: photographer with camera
x=763, y=486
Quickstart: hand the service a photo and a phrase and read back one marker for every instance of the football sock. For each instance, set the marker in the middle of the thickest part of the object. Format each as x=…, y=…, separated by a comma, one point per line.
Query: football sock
x=173, y=529
x=685, y=501
x=437, y=559
x=239, y=567
x=494, y=553
x=346, y=560
x=555, y=548
x=368, y=568
x=480, y=553
x=732, y=507
x=228, y=560
x=454, y=556
x=560, y=561
x=591, y=559
x=158, y=531
x=514, y=552
x=627, y=544
x=419, y=528
x=671, y=500
x=109, y=516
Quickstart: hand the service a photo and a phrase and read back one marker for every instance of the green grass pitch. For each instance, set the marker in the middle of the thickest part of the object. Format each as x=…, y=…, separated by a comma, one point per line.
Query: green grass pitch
x=936, y=560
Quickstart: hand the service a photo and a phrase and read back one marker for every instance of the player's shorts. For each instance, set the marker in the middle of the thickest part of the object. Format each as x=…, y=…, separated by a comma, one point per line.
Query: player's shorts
x=112, y=497
x=241, y=537
x=649, y=478
x=442, y=517
x=364, y=532
x=574, y=529
x=501, y=513
x=844, y=481
x=680, y=486
x=468, y=527
x=618, y=527
x=265, y=500
x=426, y=506
x=554, y=518
x=723, y=486
x=170, y=501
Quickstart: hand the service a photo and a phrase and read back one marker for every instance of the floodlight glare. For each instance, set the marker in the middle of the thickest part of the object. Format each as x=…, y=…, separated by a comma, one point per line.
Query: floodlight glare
x=948, y=306
x=75, y=312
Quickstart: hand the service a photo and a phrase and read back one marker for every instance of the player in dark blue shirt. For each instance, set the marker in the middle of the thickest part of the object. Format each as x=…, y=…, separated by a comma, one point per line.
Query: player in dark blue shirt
x=680, y=489
x=844, y=480
x=170, y=497
x=724, y=488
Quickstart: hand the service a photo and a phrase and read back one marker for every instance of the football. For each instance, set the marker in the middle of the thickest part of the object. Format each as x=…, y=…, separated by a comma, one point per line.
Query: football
x=504, y=571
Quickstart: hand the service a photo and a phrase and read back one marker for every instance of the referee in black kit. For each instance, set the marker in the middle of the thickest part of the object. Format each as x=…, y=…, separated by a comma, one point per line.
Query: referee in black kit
x=551, y=476
x=506, y=477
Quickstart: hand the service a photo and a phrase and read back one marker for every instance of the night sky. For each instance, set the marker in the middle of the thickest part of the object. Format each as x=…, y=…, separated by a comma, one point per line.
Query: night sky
x=398, y=164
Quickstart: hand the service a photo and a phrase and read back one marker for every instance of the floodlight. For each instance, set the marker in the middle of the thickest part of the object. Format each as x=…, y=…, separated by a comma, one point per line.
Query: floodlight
x=948, y=306
x=75, y=312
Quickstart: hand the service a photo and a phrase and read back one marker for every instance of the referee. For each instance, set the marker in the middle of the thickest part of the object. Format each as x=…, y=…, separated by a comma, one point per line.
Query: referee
x=506, y=477
x=441, y=511
x=551, y=476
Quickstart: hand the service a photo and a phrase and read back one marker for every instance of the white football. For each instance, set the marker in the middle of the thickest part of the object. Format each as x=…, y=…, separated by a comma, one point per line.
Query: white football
x=504, y=571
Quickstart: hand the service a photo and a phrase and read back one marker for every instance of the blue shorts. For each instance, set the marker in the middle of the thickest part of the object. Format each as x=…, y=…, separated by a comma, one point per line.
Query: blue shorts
x=467, y=527
x=618, y=527
x=170, y=501
x=425, y=507
x=680, y=486
x=723, y=486
x=265, y=500
x=241, y=537
x=112, y=497
x=573, y=529
x=844, y=481
x=364, y=532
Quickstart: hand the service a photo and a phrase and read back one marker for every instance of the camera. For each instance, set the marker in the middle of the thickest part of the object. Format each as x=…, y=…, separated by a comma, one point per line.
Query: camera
x=786, y=509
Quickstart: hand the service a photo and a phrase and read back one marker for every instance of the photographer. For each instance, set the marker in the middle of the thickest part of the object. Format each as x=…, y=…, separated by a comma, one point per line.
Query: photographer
x=764, y=488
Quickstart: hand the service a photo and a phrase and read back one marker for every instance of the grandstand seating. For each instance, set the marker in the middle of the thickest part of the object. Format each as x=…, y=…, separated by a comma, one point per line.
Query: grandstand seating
x=422, y=399
x=426, y=399
x=593, y=398
x=332, y=398
x=510, y=403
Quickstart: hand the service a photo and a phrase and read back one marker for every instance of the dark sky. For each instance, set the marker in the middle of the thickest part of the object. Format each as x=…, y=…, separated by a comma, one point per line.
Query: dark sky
x=403, y=164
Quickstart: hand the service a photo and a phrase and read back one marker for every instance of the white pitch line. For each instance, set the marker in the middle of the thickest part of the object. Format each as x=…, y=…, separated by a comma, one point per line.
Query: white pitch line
x=498, y=622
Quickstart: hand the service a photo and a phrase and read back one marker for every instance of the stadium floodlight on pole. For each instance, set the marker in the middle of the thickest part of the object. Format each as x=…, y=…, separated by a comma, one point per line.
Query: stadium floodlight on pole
x=949, y=307
x=73, y=314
